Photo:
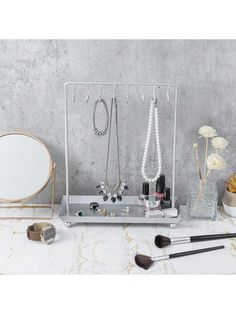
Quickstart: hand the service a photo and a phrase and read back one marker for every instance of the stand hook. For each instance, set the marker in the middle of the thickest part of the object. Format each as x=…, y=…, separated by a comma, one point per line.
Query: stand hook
x=87, y=95
x=154, y=93
x=142, y=95
x=74, y=94
x=100, y=93
x=127, y=96
x=168, y=94
x=114, y=92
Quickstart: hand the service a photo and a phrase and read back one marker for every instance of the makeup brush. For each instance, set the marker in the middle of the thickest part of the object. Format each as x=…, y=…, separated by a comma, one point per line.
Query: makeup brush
x=146, y=262
x=162, y=241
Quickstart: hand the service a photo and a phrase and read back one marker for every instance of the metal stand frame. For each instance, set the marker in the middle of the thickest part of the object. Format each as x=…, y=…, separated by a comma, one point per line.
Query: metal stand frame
x=23, y=205
x=114, y=85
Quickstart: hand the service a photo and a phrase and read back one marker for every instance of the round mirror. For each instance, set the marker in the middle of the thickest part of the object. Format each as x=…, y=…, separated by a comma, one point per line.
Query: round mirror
x=25, y=166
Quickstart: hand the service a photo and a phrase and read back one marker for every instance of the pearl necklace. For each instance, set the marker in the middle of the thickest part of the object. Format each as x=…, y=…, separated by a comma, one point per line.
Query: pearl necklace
x=153, y=110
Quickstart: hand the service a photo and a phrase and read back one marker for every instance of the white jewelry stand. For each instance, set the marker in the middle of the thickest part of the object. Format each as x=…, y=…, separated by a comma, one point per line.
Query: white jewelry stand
x=72, y=203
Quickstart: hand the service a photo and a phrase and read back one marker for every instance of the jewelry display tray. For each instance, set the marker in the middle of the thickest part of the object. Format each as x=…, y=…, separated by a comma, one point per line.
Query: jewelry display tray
x=135, y=215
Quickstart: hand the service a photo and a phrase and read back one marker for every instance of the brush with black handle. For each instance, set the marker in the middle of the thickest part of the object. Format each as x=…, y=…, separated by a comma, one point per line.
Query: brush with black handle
x=162, y=241
x=146, y=262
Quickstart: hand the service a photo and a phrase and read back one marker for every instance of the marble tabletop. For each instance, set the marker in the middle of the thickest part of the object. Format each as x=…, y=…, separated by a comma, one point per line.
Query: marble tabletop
x=110, y=249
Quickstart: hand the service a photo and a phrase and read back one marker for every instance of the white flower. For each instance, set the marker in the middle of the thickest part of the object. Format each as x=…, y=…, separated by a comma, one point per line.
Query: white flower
x=215, y=161
x=219, y=143
x=195, y=145
x=207, y=131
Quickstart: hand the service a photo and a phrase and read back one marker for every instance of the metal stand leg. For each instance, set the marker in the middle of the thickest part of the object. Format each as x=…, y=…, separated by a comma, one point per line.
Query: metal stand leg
x=53, y=178
x=35, y=206
x=68, y=224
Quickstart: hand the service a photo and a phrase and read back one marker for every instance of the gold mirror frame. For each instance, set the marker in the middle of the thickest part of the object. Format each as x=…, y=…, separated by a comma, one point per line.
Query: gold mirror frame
x=51, y=178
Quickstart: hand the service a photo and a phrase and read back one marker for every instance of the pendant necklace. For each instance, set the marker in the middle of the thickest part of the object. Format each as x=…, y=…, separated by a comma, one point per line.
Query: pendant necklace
x=152, y=111
x=115, y=192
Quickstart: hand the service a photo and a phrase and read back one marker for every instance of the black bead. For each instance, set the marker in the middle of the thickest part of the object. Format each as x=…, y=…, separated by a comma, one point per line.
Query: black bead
x=101, y=192
x=113, y=199
x=105, y=198
x=98, y=186
x=126, y=187
x=119, y=197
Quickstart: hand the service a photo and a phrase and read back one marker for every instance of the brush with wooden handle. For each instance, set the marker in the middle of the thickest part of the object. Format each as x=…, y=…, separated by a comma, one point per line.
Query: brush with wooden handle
x=162, y=241
x=146, y=262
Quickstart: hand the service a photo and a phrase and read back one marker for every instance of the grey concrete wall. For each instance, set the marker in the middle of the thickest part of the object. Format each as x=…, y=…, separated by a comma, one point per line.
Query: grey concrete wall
x=33, y=72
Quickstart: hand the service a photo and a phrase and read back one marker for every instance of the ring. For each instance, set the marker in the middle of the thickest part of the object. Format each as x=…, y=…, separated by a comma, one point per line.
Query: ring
x=94, y=206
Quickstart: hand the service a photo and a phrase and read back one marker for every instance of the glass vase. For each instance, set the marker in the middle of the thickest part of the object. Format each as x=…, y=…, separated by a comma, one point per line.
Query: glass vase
x=202, y=202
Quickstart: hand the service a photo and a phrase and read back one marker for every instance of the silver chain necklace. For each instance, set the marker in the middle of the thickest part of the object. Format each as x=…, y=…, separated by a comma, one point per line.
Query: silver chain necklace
x=95, y=129
x=118, y=190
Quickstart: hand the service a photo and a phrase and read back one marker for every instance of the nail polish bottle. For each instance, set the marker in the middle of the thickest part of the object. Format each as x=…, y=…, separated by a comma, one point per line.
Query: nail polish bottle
x=145, y=189
x=145, y=192
x=160, y=186
x=166, y=202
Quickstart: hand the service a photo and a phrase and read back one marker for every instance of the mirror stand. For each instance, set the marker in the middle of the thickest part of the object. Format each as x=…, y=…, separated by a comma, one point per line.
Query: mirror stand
x=22, y=204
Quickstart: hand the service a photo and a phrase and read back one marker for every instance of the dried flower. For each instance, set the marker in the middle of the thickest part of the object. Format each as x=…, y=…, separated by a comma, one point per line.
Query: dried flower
x=195, y=145
x=207, y=131
x=215, y=161
x=231, y=184
x=219, y=143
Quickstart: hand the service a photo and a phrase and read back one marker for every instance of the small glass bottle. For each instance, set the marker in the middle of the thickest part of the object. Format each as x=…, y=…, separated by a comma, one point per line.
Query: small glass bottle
x=145, y=192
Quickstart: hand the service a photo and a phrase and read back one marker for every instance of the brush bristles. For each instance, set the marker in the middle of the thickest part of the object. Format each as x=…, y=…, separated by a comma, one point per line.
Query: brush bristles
x=143, y=261
x=162, y=241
